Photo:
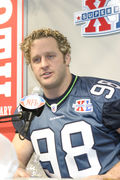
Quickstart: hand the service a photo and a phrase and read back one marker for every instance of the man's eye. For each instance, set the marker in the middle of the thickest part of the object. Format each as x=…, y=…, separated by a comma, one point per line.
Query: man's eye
x=36, y=60
x=50, y=56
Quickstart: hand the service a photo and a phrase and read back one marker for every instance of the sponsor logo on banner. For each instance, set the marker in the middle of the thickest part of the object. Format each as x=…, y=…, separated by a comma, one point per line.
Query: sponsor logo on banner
x=99, y=17
x=11, y=62
x=83, y=105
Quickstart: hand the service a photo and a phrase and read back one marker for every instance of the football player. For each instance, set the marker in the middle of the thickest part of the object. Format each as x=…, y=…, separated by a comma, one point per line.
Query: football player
x=75, y=136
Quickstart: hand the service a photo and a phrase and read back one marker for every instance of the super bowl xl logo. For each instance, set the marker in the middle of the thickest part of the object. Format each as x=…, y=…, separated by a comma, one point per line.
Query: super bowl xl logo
x=99, y=17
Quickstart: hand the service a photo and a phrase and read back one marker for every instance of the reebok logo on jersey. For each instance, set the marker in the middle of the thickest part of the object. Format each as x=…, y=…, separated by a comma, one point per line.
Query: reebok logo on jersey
x=83, y=105
x=58, y=117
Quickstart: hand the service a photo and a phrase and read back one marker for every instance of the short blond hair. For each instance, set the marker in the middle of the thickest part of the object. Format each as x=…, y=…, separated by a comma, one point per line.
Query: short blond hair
x=63, y=44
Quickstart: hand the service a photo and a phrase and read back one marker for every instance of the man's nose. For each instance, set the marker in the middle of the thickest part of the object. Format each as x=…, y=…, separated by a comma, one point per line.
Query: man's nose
x=44, y=62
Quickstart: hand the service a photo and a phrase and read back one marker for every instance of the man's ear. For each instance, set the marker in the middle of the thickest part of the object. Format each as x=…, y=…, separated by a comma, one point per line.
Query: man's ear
x=67, y=59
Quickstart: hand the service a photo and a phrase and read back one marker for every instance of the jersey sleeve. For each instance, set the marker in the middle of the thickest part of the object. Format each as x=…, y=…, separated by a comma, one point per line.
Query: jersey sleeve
x=107, y=94
x=111, y=108
x=111, y=114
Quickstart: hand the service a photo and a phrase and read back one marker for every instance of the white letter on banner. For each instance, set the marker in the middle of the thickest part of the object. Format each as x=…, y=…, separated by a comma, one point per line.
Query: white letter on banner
x=5, y=89
x=5, y=70
x=7, y=5
x=5, y=43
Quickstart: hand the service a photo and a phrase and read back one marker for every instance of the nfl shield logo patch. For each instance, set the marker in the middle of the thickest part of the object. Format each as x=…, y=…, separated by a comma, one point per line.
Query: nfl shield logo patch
x=83, y=105
x=99, y=17
x=54, y=107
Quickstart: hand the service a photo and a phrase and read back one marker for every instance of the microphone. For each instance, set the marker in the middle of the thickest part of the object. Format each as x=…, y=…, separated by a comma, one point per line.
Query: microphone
x=30, y=106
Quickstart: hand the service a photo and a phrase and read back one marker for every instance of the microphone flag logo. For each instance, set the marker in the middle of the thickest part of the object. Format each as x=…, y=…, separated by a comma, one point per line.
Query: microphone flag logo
x=32, y=102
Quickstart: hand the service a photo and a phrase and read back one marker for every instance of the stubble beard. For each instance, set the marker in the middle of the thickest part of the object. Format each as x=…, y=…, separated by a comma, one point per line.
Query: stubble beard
x=53, y=85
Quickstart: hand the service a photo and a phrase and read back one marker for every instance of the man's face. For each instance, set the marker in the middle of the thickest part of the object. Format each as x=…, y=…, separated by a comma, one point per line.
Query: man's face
x=48, y=63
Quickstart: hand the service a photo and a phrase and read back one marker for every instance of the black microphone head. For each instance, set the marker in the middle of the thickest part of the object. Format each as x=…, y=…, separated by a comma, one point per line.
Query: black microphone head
x=29, y=107
x=36, y=112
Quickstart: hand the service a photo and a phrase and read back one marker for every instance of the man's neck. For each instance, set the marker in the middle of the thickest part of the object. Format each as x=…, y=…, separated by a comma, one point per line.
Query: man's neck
x=58, y=91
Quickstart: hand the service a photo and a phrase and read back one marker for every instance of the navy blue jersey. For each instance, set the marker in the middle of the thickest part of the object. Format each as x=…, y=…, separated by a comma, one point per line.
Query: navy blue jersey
x=74, y=141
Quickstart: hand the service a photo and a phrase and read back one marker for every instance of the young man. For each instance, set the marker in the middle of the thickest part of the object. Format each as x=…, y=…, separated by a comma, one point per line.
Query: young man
x=70, y=136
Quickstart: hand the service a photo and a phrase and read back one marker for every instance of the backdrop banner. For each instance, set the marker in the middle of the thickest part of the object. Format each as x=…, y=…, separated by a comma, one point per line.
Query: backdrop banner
x=11, y=60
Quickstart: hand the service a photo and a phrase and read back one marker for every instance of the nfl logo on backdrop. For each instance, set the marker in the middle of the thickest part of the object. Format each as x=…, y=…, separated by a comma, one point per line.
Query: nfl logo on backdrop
x=99, y=17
